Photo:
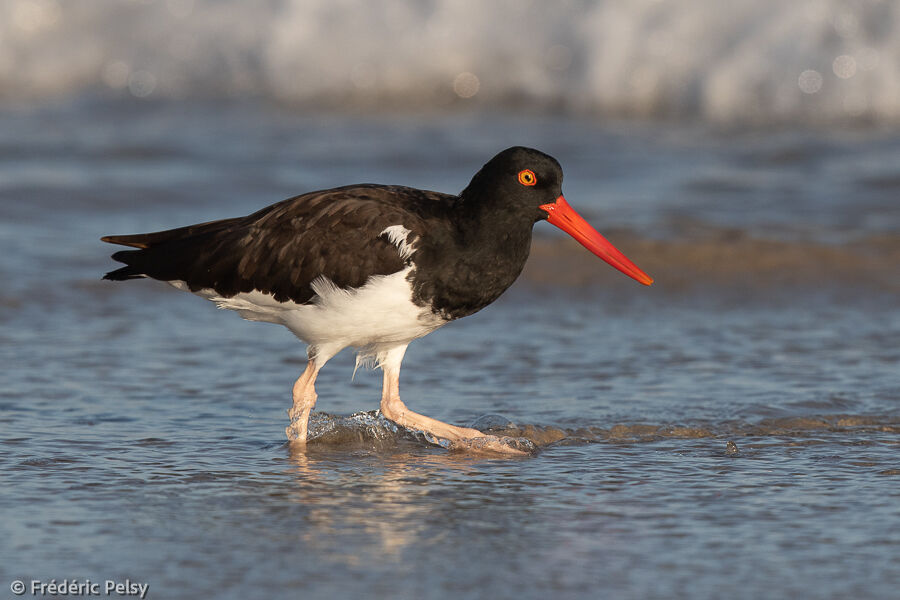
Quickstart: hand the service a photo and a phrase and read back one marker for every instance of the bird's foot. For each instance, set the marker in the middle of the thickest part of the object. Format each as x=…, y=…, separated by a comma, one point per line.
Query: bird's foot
x=295, y=435
x=297, y=430
x=488, y=444
x=452, y=437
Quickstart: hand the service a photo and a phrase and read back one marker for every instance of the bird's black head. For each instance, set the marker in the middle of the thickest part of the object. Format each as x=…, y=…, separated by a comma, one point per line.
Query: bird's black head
x=519, y=180
x=521, y=186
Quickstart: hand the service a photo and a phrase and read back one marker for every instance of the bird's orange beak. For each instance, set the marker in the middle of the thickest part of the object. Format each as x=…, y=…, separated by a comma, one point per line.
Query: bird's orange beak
x=564, y=216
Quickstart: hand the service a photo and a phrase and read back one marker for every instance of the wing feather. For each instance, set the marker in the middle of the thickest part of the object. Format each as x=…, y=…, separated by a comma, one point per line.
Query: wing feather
x=282, y=249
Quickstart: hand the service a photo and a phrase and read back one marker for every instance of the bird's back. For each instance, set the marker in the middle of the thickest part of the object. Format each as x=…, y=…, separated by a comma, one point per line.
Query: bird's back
x=280, y=250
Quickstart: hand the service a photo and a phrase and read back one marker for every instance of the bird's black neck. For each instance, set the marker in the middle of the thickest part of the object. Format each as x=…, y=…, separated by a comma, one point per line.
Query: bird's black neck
x=475, y=259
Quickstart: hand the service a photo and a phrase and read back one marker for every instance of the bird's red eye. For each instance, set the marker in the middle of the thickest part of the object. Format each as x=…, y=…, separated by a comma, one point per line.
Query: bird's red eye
x=526, y=177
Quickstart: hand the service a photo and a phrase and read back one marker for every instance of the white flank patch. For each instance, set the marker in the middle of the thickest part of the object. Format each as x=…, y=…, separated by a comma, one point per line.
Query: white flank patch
x=397, y=235
x=374, y=318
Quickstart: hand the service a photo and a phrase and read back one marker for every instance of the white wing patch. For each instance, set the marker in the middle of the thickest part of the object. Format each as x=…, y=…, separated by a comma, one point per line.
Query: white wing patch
x=397, y=235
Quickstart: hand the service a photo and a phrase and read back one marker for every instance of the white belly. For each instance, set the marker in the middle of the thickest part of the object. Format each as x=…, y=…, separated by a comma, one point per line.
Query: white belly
x=376, y=317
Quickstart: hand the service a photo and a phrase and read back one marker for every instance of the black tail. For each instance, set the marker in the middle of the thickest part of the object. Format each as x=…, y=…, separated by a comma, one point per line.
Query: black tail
x=123, y=274
x=151, y=259
x=128, y=272
x=148, y=240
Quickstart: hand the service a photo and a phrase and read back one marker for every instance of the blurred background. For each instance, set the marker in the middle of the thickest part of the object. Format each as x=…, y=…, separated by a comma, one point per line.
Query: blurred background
x=746, y=154
x=759, y=63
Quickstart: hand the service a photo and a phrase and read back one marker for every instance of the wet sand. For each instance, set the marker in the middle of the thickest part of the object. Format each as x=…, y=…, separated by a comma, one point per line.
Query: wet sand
x=728, y=259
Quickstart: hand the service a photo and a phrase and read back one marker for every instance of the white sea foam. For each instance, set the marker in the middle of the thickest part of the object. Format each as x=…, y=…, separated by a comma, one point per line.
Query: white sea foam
x=743, y=60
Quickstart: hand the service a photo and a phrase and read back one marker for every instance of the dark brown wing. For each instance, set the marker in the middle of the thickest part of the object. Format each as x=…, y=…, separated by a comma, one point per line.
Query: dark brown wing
x=281, y=249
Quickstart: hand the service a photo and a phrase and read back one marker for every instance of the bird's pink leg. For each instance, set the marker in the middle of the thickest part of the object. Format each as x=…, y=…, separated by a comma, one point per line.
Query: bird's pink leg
x=304, y=400
x=463, y=438
x=394, y=409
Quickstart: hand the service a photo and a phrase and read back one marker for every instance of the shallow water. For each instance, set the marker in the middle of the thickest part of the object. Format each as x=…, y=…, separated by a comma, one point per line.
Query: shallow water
x=142, y=430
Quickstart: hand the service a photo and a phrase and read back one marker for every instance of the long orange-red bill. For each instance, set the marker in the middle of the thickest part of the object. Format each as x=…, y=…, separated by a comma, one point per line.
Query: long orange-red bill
x=564, y=216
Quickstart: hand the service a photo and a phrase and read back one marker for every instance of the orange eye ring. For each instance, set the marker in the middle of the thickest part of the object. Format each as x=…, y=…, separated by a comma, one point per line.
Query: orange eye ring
x=527, y=177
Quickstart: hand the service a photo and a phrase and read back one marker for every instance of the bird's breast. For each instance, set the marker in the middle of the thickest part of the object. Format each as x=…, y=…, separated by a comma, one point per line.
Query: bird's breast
x=457, y=281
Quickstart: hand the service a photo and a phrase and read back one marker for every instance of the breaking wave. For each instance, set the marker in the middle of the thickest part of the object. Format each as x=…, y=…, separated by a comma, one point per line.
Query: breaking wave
x=755, y=61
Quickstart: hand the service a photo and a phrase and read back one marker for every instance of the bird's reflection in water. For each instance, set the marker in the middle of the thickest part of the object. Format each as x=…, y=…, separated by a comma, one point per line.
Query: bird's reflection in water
x=365, y=502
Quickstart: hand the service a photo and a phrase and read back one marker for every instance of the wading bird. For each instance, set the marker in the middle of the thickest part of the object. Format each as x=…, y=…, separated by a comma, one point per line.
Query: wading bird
x=372, y=267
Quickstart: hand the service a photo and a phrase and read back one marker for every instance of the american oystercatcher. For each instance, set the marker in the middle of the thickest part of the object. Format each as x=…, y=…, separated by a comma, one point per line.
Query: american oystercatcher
x=371, y=267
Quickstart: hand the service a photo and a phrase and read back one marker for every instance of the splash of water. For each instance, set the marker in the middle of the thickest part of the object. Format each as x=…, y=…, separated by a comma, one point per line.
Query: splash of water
x=371, y=430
